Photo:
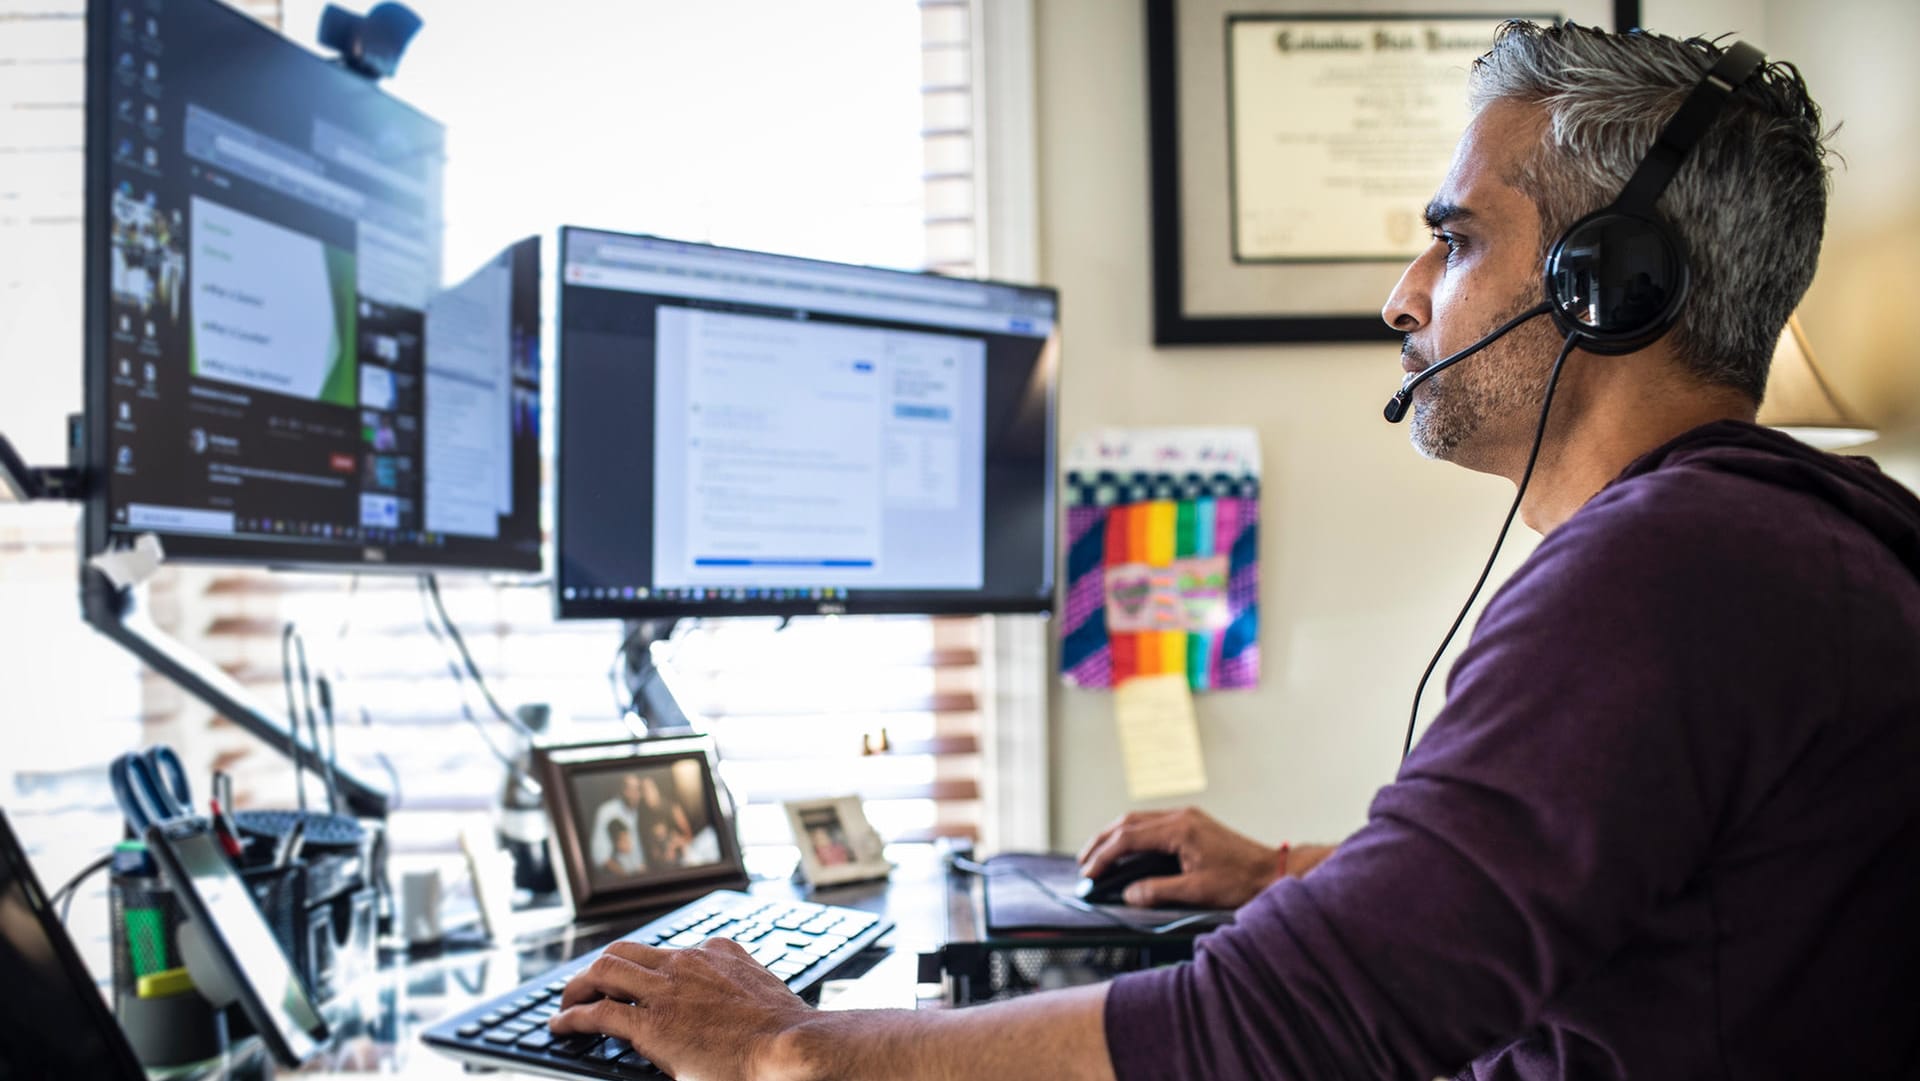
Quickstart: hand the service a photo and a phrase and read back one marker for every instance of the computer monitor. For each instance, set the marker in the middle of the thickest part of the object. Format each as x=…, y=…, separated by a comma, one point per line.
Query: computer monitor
x=275, y=374
x=748, y=434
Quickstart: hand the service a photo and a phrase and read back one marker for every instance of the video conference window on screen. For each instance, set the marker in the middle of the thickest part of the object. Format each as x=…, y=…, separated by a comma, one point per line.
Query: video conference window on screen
x=284, y=366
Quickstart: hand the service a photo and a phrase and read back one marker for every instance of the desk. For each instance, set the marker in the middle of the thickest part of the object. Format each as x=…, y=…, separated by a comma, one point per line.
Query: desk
x=377, y=1024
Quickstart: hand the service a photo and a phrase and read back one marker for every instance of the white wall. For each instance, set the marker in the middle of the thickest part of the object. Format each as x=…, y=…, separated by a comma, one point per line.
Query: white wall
x=1367, y=550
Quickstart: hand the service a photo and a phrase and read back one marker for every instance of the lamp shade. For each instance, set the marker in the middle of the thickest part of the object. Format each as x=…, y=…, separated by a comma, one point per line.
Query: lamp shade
x=1800, y=402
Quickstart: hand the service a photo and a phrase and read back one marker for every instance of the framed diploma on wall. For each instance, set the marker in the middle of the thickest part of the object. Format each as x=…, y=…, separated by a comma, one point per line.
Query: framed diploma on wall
x=1294, y=144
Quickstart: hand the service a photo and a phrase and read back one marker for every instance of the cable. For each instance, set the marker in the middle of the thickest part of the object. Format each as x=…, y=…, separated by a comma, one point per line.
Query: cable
x=432, y=583
x=459, y=681
x=1539, y=435
x=313, y=723
x=65, y=894
x=325, y=692
x=287, y=635
x=961, y=863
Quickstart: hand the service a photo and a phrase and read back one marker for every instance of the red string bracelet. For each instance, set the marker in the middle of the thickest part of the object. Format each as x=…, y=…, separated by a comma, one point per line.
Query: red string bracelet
x=1285, y=848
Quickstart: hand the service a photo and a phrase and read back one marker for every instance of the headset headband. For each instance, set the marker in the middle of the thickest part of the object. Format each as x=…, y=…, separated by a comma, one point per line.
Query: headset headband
x=1689, y=123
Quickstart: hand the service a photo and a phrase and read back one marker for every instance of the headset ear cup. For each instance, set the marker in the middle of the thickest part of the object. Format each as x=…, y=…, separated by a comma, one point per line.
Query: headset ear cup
x=1618, y=280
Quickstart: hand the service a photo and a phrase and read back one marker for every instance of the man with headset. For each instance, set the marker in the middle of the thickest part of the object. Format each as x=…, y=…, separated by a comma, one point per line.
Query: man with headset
x=1668, y=822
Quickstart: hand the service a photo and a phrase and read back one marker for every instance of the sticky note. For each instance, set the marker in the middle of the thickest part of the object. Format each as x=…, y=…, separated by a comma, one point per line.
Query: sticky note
x=1159, y=737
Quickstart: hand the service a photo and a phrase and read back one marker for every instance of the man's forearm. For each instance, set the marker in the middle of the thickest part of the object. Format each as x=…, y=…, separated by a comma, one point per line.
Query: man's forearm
x=1057, y=1036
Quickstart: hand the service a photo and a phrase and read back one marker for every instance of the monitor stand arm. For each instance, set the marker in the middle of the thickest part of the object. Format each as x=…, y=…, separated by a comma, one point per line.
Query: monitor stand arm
x=30, y=482
x=115, y=611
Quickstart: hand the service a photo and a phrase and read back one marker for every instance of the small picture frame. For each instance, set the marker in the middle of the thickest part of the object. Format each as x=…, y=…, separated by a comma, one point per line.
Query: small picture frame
x=836, y=843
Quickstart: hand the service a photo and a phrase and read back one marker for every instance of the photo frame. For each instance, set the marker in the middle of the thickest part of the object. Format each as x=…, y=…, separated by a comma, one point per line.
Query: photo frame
x=1228, y=268
x=639, y=823
x=836, y=843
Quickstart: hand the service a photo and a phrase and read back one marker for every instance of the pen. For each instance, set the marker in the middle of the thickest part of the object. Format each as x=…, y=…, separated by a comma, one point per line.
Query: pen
x=291, y=844
x=222, y=806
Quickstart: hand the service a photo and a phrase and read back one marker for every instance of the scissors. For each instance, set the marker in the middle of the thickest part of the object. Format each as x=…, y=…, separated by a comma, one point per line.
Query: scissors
x=150, y=787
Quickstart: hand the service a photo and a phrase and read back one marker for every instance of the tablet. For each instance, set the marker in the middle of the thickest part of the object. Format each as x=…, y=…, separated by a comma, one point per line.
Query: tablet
x=238, y=957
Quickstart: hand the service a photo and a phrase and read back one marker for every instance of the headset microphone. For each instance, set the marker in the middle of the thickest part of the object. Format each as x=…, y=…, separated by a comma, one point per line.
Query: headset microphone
x=1402, y=398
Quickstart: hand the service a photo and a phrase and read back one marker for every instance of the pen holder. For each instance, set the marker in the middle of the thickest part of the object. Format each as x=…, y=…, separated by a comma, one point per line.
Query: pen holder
x=146, y=917
x=173, y=1030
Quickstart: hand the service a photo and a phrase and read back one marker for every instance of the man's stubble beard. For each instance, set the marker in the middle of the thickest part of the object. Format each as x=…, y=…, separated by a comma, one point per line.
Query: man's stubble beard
x=1501, y=384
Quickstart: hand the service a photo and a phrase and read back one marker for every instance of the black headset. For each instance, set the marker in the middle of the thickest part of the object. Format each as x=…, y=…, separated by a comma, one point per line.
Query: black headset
x=1619, y=276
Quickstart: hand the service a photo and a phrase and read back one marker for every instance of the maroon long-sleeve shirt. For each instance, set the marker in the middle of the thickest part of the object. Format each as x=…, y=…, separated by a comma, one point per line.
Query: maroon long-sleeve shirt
x=1666, y=826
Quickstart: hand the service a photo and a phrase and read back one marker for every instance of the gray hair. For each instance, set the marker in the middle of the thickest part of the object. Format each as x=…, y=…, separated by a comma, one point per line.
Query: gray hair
x=1750, y=203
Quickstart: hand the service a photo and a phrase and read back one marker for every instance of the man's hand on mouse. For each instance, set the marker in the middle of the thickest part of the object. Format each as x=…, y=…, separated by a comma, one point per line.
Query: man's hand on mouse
x=1219, y=868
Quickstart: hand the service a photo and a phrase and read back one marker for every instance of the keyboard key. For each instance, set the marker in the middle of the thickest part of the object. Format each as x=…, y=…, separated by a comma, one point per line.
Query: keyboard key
x=488, y=1020
x=469, y=1031
x=573, y=1046
x=635, y=1059
x=503, y=1036
x=557, y=986
x=685, y=939
x=537, y=1040
x=613, y=1048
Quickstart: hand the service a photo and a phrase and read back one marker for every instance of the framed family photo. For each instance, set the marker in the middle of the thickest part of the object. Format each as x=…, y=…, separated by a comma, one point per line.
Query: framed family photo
x=1293, y=144
x=639, y=823
x=836, y=843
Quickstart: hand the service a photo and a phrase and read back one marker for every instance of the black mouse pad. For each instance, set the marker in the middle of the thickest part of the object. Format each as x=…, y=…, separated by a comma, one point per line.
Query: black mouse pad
x=1033, y=892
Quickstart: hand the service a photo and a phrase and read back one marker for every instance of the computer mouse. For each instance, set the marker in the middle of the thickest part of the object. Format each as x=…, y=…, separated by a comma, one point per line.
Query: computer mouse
x=1125, y=871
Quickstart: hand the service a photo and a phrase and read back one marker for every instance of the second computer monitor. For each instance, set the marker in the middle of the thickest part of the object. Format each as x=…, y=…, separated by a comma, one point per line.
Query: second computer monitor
x=744, y=433
x=275, y=373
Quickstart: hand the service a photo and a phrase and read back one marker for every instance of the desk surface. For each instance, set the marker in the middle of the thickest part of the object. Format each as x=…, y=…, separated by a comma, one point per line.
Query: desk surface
x=377, y=1024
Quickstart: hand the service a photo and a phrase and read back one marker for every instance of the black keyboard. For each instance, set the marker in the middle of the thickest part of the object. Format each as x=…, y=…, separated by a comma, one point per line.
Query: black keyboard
x=799, y=942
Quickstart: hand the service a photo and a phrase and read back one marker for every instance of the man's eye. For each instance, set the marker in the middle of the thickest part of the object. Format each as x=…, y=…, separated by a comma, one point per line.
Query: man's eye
x=1452, y=242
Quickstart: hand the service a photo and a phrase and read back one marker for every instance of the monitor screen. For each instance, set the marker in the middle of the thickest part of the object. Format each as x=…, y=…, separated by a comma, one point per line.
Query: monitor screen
x=275, y=373
x=744, y=433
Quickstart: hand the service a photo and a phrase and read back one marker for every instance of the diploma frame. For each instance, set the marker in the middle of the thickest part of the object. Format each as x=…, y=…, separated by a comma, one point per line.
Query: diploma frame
x=1202, y=295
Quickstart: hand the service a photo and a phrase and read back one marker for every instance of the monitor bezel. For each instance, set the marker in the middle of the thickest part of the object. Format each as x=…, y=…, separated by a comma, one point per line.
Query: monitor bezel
x=929, y=603
x=95, y=438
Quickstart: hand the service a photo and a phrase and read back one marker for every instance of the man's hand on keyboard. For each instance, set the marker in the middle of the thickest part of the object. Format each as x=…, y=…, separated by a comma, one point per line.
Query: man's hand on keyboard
x=710, y=1012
